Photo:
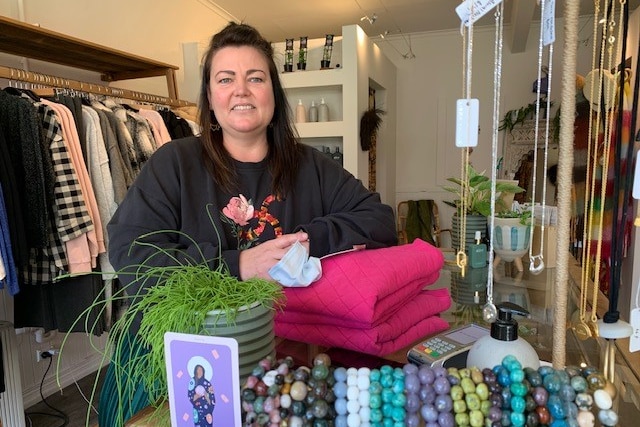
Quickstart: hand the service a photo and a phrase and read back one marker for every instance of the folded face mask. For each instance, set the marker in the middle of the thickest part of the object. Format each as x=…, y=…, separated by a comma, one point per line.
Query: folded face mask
x=296, y=268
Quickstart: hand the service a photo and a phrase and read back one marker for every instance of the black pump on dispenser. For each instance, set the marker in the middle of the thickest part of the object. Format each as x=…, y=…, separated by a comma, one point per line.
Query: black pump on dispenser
x=503, y=340
x=505, y=328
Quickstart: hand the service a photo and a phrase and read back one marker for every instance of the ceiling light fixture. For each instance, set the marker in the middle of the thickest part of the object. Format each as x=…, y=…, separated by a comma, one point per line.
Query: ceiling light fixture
x=372, y=19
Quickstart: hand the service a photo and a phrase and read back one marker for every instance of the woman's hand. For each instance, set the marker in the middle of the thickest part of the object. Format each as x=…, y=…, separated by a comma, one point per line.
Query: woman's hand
x=256, y=261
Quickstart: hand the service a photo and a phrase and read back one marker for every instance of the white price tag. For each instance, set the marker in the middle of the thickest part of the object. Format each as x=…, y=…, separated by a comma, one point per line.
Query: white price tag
x=549, y=22
x=634, y=320
x=467, y=120
x=480, y=8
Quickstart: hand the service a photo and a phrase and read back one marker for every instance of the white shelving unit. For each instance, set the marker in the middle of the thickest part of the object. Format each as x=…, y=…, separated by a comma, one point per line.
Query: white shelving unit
x=357, y=64
x=315, y=85
x=345, y=91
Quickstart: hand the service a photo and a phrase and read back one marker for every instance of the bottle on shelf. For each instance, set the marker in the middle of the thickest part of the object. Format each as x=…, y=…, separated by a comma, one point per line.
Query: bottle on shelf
x=313, y=112
x=337, y=155
x=323, y=111
x=301, y=112
x=327, y=152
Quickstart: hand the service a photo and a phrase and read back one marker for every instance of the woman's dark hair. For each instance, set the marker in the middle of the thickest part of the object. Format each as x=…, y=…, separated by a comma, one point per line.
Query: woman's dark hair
x=195, y=370
x=284, y=149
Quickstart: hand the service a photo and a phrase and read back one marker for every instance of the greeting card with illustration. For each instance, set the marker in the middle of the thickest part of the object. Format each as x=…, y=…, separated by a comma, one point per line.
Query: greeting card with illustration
x=203, y=379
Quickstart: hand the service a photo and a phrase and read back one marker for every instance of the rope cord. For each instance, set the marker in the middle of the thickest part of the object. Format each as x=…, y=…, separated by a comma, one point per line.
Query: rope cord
x=565, y=166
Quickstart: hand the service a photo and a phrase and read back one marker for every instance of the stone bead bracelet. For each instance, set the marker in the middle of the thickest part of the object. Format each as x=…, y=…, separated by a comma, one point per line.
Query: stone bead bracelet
x=277, y=395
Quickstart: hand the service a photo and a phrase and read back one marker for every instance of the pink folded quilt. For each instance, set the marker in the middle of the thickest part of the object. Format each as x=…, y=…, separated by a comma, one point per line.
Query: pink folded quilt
x=364, y=287
x=399, y=330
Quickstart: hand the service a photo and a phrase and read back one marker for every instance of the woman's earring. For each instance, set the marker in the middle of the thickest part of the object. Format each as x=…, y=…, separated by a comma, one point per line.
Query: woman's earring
x=215, y=127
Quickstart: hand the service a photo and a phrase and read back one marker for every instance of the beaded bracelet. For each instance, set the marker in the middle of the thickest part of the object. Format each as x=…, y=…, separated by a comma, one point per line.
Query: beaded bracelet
x=507, y=395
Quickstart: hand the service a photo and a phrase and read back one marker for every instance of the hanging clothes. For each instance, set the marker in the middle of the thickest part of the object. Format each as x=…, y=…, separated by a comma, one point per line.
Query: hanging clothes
x=13, y=204
x=178, y=127
x=80, y=260
x=606, y=206
x=86, y=154
x=8, y=274
x=22, y=132
x=159, y=129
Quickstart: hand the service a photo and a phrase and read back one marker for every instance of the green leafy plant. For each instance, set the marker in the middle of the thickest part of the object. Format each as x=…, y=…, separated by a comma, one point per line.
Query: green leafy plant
x=178, y=298
x=524, y=215
x=518, y=116
x=476, y=193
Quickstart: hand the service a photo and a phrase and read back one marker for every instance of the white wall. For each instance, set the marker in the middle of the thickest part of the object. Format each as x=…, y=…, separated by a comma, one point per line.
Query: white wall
x=428, y=87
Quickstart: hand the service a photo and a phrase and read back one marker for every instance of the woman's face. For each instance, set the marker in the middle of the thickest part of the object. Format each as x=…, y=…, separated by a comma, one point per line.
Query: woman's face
x=240, y=91
x=199, y=371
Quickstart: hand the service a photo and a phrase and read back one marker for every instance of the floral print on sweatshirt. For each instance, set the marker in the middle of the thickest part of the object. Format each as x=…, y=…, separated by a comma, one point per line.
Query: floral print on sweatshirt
x=247, y=223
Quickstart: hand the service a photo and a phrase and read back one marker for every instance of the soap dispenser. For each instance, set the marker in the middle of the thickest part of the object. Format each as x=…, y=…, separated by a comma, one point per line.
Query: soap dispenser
x=301, y=112
x=478, y=252
x=313, y=112
x=323, y=111
x=503, y=340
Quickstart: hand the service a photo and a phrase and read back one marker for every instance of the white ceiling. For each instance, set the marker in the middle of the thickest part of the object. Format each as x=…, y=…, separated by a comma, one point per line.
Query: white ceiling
x=280, y=19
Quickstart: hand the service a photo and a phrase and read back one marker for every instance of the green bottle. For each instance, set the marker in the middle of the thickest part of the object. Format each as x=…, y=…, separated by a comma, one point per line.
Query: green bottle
x=478, y=253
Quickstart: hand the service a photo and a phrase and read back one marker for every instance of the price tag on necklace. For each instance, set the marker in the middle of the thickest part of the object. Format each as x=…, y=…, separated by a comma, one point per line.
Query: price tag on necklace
x=470, y=11
x=549, y=22
x=467, y=121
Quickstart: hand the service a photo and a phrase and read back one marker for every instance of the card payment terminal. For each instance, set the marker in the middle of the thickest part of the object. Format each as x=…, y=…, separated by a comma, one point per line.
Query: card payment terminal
x=437, y=350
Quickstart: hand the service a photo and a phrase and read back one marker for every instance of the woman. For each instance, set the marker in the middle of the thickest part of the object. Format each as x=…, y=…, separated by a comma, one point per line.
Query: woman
x=246, y=190
x=202, y=399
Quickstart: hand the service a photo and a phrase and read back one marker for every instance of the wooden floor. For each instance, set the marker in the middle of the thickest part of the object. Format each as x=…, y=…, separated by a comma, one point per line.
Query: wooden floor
x=69, y=401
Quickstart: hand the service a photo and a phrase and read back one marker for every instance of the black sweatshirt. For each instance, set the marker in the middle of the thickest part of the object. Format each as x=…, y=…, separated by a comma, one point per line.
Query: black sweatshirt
x=174, y=191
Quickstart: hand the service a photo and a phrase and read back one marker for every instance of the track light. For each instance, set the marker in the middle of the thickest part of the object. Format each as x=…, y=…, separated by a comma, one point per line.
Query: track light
x=372, y=19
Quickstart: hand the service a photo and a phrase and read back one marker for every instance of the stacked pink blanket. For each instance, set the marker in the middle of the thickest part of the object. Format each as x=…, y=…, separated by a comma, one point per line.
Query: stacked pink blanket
x=373, y=301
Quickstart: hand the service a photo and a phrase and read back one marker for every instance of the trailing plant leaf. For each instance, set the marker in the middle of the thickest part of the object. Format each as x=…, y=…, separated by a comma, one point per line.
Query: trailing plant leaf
x=172, y=298
x=477, y=193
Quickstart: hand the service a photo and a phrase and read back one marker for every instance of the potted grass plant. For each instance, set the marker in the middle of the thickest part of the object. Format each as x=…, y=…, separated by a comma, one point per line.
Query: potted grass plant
x=186, y=297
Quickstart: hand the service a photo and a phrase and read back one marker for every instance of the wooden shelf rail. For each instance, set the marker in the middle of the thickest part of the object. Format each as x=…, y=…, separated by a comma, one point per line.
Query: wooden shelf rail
x=44, y=80
x=31, y=41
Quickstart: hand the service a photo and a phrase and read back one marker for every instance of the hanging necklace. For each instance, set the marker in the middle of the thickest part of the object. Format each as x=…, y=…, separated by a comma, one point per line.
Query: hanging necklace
x=536, y=262
x=489, y=311
x=595, y=158
x=467, y=53
x=609, y=91
x=582, y=329
x=611, y=327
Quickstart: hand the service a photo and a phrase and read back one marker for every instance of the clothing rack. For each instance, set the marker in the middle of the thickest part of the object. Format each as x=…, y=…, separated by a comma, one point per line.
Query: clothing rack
x=45, y=80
